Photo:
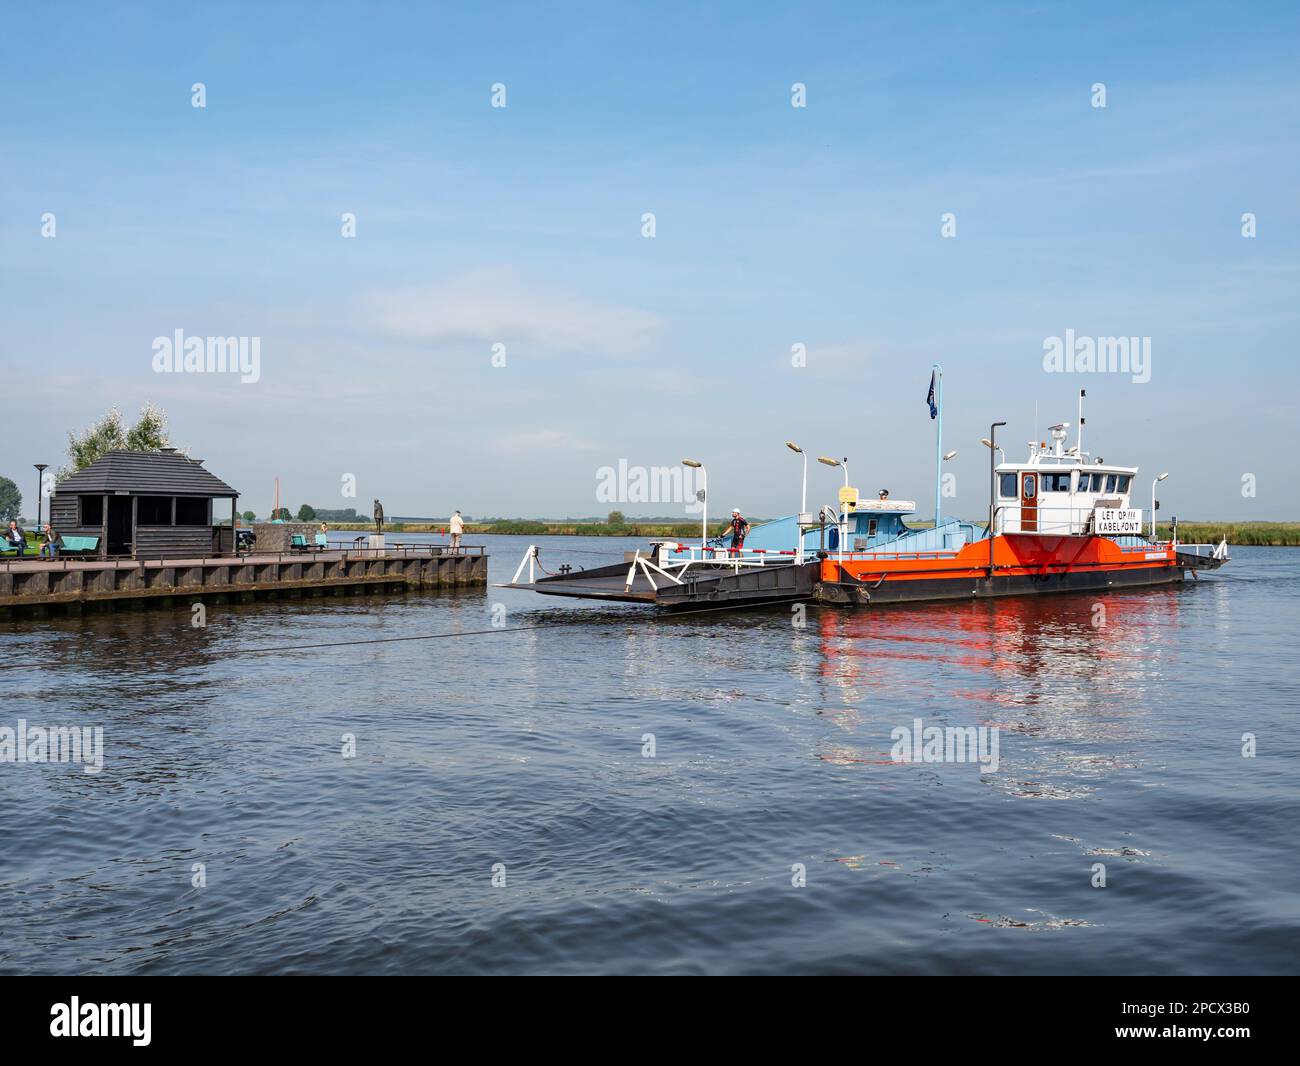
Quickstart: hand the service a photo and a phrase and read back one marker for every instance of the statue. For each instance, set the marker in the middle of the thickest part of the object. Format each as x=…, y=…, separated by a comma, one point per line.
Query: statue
x=379, y=517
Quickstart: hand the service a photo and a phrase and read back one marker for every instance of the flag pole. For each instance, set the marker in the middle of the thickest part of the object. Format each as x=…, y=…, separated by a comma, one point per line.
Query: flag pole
x=938, y=440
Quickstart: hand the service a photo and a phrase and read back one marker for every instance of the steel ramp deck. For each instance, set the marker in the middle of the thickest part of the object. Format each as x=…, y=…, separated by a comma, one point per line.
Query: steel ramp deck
x=702, y=584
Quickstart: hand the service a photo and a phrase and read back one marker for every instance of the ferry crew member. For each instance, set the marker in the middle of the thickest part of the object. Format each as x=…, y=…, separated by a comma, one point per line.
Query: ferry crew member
x=457, y=528
x=884, y=494
x=739, y=528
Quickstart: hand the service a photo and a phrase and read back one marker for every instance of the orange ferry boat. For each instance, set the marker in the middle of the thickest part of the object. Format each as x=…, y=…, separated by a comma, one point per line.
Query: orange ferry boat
x=1060, y=521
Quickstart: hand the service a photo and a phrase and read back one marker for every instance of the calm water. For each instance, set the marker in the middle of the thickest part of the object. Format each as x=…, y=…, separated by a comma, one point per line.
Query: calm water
x=1119, y=744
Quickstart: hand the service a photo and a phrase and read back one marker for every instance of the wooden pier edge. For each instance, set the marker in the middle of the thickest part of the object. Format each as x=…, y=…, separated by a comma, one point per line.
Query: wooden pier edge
x=76, y=584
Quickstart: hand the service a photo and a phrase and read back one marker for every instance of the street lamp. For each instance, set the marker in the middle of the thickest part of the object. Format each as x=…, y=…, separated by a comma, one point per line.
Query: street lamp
x=40, y=491
x=1154, y=504
x=703, y=496
x=803, y=505
x=828, y=461
x=989, y=444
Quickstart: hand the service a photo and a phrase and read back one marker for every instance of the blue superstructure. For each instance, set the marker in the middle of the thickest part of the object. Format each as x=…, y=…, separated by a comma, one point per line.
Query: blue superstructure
x=877, y=526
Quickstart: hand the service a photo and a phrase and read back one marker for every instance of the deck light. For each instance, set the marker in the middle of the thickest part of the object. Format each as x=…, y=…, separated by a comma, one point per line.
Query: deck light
x=949, y=455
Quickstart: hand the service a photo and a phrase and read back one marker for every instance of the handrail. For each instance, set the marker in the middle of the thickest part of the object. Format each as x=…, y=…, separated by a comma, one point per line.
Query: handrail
x=416, y=551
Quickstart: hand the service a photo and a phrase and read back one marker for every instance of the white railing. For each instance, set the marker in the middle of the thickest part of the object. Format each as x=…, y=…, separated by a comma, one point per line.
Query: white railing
x=679, y=557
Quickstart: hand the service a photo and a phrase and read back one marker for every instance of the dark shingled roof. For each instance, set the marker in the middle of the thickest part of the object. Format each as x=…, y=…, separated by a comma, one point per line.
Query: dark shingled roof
x=145, y=474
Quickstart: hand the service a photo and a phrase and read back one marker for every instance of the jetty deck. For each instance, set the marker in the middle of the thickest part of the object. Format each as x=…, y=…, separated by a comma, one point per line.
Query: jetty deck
x=74, y=583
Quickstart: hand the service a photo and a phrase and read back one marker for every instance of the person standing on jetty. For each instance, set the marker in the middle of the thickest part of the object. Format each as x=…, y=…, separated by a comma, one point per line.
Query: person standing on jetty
x=738, y=529
x=456, y=527
x=16, y=538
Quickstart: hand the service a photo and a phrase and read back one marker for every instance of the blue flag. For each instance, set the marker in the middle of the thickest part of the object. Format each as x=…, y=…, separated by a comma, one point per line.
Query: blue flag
x=934, y=411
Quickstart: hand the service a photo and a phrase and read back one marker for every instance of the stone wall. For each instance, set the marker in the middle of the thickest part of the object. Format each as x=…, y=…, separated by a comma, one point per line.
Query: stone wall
x=276, y=537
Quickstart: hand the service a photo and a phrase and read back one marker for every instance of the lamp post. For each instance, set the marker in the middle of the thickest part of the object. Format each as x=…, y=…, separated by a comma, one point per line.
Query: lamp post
x=803, y=501
x=826, y=460
x=1154, y=504
x=703, y=496
x=803, y=505
x=40, y=492
x=946, y=456
x=992, y=441
x=837, y=462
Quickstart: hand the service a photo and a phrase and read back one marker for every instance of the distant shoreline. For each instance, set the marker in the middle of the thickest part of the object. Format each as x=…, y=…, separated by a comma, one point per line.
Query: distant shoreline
x=1259, y=534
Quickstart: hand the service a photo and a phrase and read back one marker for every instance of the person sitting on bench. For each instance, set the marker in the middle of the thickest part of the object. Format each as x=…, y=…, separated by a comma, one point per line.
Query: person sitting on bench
x=16, y=538
x=51, y=542
x=322, y=538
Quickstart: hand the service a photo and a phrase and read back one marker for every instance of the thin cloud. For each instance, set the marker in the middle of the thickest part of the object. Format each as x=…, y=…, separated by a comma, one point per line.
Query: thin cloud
x=497, y=307
x=542, y=440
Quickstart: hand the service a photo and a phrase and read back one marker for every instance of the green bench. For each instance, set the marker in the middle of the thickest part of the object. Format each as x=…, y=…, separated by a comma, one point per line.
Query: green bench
x=76, y=545
x=299, y=543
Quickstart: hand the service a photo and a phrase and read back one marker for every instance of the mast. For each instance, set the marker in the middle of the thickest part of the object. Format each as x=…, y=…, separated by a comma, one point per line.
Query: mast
x=1078, y=446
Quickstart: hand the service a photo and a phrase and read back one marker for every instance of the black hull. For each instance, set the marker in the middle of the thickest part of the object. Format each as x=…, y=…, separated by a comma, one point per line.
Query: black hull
x=717, y=587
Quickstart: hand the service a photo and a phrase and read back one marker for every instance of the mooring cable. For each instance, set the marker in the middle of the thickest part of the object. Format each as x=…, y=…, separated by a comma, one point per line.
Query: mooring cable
x=575, y=619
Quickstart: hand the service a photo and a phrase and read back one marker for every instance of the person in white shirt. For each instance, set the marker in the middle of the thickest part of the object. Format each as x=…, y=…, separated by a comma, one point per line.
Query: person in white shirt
x=16, y=538
x=457, y=527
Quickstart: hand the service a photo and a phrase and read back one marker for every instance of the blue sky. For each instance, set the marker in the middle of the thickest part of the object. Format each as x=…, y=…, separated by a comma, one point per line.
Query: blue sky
x=775, y=226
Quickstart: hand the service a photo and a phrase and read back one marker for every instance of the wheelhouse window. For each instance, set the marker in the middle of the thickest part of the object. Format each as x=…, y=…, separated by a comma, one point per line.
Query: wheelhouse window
x=871, y=527
x=92, y=510
x=154, y=511
x=1007, y=486
x=1056, y=482
x=1110, y=482
x=1030, y=486
x=1124, y=482
x=191, y=511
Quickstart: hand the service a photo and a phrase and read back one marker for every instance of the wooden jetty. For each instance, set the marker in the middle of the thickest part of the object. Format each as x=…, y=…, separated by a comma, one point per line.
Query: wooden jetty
x=72, y=584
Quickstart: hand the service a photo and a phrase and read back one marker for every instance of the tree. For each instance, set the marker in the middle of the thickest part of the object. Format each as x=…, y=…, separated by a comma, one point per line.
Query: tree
x=616, y=519
x=306, y=513
x=249, y=516
x=148, y=434
x=10, y=500
x=282, y=514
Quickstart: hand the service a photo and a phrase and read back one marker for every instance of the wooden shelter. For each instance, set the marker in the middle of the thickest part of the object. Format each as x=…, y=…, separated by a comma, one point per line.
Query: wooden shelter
x=147, y=505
